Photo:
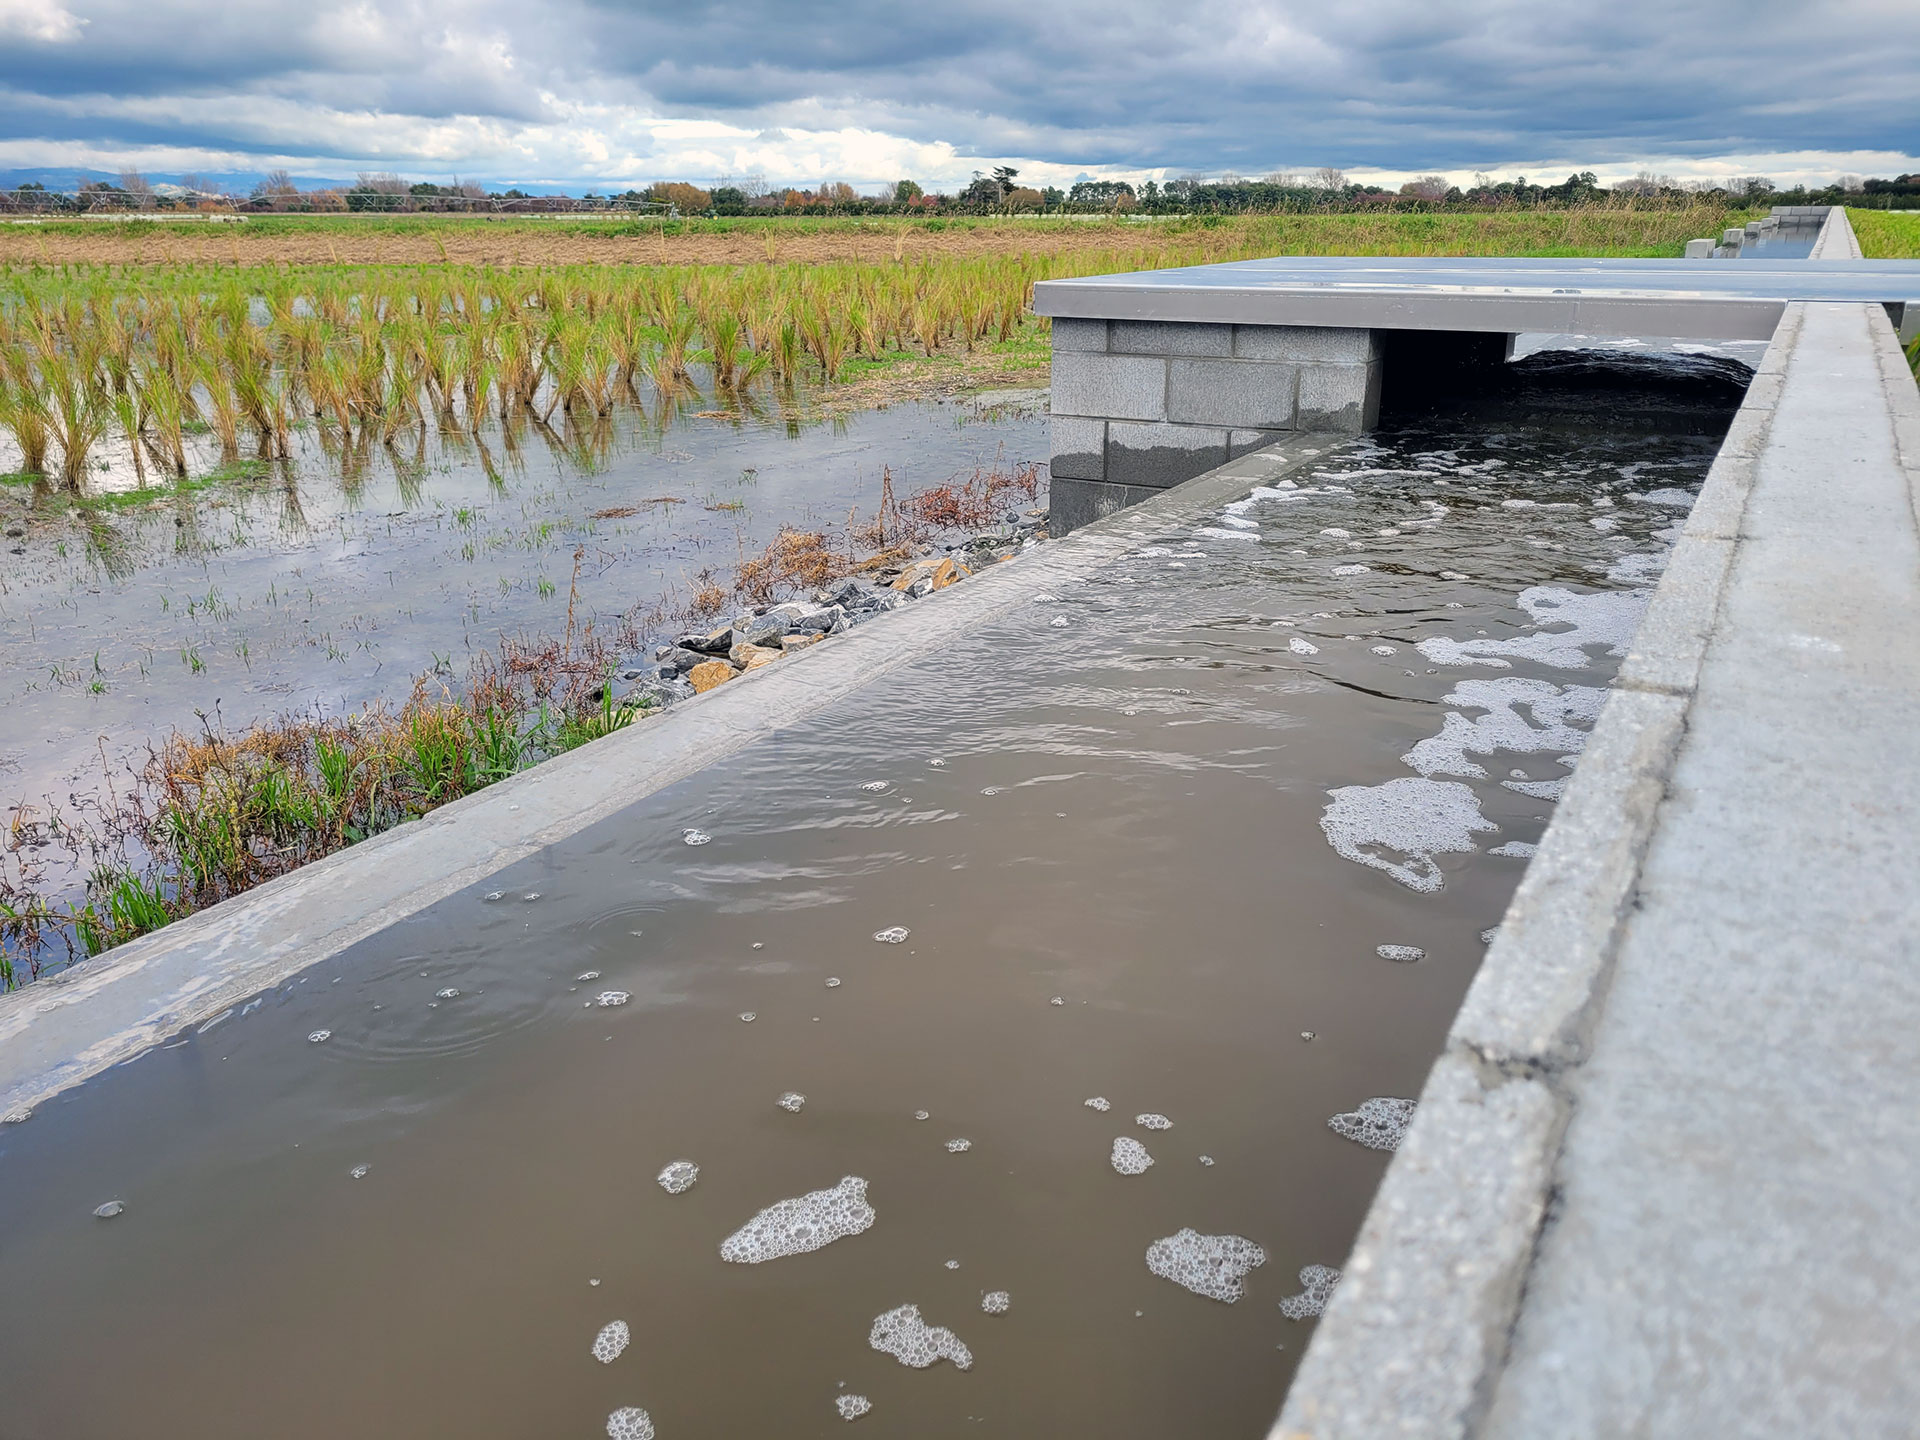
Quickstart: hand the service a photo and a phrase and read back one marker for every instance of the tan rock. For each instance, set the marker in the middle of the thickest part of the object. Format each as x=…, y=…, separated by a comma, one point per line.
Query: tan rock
x=760, y=659
x=948, y=572
x=709, y=673
x=743, y=655
x=791, y=643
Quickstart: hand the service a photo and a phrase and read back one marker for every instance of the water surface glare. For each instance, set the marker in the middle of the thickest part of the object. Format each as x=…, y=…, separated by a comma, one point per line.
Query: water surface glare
x=1132, y=819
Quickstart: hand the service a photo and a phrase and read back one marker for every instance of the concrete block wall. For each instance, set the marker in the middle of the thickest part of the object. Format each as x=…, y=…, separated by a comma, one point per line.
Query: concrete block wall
x=1139, y=405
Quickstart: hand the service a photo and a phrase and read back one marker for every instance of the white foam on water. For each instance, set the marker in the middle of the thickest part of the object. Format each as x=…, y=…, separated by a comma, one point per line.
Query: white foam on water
x=1234, y=519
x=629, y=1422
x=1453, y=575
x=1316, y=1288
x=495, y=895
x=1058, y=1000
x=833, y=982
x=110, y=1209
x=613, y=1338
x=802, y=1224
x=1400, y=954
x=1486, y=935
x=1678, y=499
x=996, y=1302
x=1605, y=618
x=1302, y=647
x=359, y=1172
x=1100, y=1103
x=852, y=1407
x=1153, y=1122
x=1206, y=1159
x=1378, y=1124
x=1603, y=523
x=695, y=837
x=1335, y=533
x=938, y=764
x=678, y=1177
x=791, y=1102
x=921, y=1115
x=531, y=896
x=1383, y=650
x=894, y=934
x=606, y=999
x=904, y=1335
x=1213, y=532
x=874, y=787
x=319, y=1037
x=586, y=975
x=1538, y=789
x=959, y=1146
x=1060, y=622
x=953, y=1264
x=1519, y=504
x=1130, y=1157
x=1344, y=570
x=1516, y=849
x=1414, y=818
x=1209, y=1265
x=1502, y=727
x=749, y=1016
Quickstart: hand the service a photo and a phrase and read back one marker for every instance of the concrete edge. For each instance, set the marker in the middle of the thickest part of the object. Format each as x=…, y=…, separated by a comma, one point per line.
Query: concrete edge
x=1416, y=1336
x=60, y=1031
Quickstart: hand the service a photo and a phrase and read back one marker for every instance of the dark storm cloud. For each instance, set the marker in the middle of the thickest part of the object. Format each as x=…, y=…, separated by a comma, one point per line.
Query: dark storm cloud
x=1206, y=84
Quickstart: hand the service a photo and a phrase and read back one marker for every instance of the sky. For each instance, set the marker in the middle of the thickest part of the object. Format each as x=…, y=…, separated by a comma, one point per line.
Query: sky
x=597, y=93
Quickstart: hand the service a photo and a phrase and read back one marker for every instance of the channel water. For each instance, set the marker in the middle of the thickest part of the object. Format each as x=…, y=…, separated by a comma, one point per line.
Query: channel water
x=1067, y=987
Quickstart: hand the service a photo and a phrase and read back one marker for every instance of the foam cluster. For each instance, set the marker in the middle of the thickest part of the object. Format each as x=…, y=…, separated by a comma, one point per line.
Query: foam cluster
x=629, y=1422
x=1316, y=1288
x=874, y=787
x=791, y=1102
x=1417, y=818
x=1100, y=1103
x=1209, y=1265
x=678, y=1177
x=319, y=1037
x=1302, y=647
x=1400, y=954
x=1153, y=1122
x=807, y=1222
x=608, y=998
x=1607, y=618
x=852, y=1407
x=612, y=1339
x=695, y=837
x=1502, y=727
x=1379, y=1124
x=904, y=1335
x=1130, y=1157
x=892, y=935
x=996, y=1302
x=959, y=1146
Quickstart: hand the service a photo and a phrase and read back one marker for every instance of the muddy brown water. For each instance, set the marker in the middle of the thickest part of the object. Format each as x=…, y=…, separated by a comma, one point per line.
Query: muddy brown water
x=1127, y=816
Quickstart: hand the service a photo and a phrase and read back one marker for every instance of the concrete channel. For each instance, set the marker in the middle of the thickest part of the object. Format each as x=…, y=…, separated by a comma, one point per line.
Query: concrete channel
x=1662, y=1179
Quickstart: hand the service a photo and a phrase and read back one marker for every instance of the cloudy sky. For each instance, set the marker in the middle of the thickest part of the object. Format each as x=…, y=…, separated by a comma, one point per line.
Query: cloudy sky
x=573, y=92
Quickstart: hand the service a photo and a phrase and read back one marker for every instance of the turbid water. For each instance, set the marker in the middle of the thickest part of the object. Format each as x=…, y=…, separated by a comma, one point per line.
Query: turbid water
x=1187, y=864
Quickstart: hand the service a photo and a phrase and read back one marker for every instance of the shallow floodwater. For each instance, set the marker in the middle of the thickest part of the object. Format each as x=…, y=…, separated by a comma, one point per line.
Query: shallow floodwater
x=304, y=591
x=1105, y=838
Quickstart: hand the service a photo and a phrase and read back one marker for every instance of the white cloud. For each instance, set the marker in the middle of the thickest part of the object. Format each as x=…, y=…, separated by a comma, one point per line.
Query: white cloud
x=47, y=20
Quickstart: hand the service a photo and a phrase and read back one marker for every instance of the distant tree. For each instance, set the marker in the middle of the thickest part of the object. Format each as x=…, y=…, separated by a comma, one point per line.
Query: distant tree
x=1426, y=187
x=729, y=200
x=1150, y=195
x=1329, y=178
x=906, y=191
x=1004, y=176
x=687, y=198
x=1054, y=196
x=985, y=193
x=1024, y=200
x=1107, y=193
x=134, y=183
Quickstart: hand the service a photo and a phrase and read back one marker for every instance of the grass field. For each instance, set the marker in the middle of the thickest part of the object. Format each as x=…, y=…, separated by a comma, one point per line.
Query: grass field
x=519, y=241
x=1884, y=235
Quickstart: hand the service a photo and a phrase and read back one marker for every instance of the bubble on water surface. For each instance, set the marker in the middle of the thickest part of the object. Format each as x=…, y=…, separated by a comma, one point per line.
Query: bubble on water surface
x=496, y=895
x=1045, y=599
x=996, y=1302
x=1316, y=1288
x=1538, y=789
x=1100, y=1103
x=1453, y=575
x=1415, y=818
x=1335, y=533
x=1606, y=618
x=1379, y=1124
x=1383, y=649
x=1516, y=850
x=608, y=998
x=874, y=787
x=1130, y=1157
x=1058, y=1000
x=319, y=1037
x=1209, y=1265
x=1302, y=647
x=959, y=1146
x=938, y=764
x=1679, y=499
x=953, y=1264
x=904, y=1335
x=110, y=1209
x=629, y=1422
x=892, y=935
x=1306, y=1034
x=678, y=1177
x=613, y=1338
x=531, y=896
x=447, y=994
x=1344, y=570
x=1153, y=1122
x=921, y=1115
x=749, y=1016
x=852, y=1407
x=586, y=975
x=833, y=981
x=16, y=1117
x=802, y=1224
x=1400, y=954
x=791, y=1102
x=1206, y=1159
x=1486, y=935
x=359, y=1172
x=695, y=837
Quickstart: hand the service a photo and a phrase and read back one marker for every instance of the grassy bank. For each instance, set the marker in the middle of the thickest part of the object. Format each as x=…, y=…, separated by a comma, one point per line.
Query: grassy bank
x=1884, y=235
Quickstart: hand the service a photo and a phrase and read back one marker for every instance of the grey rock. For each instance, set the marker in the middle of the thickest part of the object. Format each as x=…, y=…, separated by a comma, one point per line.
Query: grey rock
x=761, y=629
x=681, y=659
x=715, y=642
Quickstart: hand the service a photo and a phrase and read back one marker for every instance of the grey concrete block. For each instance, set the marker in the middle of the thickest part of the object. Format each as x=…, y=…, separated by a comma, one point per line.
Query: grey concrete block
x=1079, y=448
x=1114, y=387
x=1073, y=503
x=1082, y=335
x=1343, y=398
x=1242, y=394
x=1245, y=442
x=1169, y=337
x=1305, y=342
x=1162, y=455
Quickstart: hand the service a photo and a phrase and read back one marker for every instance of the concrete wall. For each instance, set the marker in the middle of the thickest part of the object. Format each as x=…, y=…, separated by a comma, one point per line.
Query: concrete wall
x=1139, y=405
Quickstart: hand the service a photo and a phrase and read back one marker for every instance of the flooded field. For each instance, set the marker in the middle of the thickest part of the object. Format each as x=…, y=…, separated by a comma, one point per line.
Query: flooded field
x=301, y=591
x=1012, y=1049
